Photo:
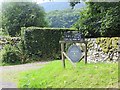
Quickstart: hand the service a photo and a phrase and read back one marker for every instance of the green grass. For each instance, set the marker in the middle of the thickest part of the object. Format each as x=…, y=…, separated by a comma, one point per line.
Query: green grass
x=52, y=75
x=12, y=74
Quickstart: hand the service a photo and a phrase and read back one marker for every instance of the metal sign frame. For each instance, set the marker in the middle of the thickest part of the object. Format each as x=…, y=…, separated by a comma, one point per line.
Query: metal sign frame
x=63, y=54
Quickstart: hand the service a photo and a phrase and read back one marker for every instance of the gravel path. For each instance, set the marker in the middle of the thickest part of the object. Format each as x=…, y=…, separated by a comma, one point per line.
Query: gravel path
x=9, y=74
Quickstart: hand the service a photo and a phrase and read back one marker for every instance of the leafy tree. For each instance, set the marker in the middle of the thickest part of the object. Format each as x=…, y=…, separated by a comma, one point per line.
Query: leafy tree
x=74, y=2
x=21, y=14
x=100, y=19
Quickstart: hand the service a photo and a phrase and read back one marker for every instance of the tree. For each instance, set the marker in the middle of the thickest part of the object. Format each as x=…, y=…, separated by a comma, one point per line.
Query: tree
x=74, y=2
x=21, y=14
x=100, y=19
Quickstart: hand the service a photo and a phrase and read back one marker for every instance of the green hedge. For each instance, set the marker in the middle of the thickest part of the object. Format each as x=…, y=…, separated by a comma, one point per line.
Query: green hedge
x=42, y=42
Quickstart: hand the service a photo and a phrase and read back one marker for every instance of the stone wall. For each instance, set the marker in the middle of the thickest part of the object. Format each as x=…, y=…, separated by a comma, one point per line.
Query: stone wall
x=8, y=40
x=100, y=50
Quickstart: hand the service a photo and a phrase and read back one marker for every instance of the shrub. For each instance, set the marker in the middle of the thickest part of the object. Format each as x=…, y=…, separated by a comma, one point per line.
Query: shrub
x=3, y=32
x=22, y=52
x=9, y=54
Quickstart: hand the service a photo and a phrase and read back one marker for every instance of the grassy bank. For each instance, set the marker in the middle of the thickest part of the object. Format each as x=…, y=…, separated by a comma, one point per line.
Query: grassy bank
x=52, y=75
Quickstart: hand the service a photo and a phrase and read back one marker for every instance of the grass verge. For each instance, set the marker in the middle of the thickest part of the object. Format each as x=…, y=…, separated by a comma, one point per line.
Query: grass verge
x=52, y=75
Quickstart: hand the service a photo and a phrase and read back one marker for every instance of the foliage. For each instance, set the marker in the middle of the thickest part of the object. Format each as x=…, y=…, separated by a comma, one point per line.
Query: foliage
x=18, y=14
x=100, y=19
x=74, y=2
x=53, y=75
x=3, y=32
x=22, y=53
x=12, y=45
x=63, y=18
x=9, y=54
x=42, y=42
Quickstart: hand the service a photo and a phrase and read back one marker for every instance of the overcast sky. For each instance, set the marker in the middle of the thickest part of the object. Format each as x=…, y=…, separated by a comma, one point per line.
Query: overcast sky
x=38, y=1
x=42, y=1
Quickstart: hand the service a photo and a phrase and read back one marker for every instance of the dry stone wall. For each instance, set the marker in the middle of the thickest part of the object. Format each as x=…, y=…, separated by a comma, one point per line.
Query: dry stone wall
x=102, y=49
x=8, y=40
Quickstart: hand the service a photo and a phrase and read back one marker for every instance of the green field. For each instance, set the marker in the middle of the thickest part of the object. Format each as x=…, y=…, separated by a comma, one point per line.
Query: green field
x=53, y=75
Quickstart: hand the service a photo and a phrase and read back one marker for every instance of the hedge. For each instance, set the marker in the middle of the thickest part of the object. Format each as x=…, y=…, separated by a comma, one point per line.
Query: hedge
x=42, y=42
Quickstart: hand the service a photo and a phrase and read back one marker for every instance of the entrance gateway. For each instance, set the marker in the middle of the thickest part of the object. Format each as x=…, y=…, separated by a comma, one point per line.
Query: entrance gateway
x=74, y=52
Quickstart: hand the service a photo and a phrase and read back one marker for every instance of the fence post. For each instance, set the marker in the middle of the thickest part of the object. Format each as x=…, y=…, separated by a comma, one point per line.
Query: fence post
x=62, y=50
x=119, y=49
x=85, y=52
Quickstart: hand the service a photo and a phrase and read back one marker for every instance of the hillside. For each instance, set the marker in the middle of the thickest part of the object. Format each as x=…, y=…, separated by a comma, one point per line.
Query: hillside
x=63, y=18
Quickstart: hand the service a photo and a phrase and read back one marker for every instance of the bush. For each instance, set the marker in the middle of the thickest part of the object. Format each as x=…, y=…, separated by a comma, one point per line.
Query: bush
x=22, y=52
x=42, y=42
x=10, y=54
x=3, y=32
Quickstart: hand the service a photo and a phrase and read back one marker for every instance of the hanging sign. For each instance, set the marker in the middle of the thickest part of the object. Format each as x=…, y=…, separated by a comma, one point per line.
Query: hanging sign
x=73, y=36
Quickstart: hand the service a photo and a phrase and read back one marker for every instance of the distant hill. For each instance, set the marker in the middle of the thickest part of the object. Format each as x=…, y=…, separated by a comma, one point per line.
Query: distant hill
x=51, y=6
x=63, y=18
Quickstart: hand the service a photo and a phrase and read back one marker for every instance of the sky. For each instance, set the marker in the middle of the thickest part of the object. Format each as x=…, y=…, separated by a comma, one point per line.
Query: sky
x=42, y=1
x=38, y=1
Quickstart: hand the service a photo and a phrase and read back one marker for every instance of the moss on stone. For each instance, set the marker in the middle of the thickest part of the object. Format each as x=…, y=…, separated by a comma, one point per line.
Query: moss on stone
x=107, y=44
